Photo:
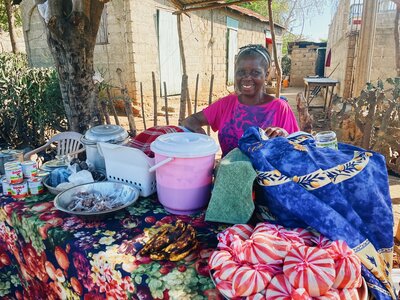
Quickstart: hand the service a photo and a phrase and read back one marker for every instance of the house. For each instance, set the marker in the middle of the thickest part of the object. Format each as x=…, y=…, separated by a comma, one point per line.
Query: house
x=306, y=59
x=141, y=37
x=358, y=57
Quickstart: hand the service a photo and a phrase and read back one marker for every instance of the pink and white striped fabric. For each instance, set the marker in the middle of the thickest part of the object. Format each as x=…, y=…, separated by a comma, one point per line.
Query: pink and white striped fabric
x=281, y=289
x=321, y=241
x=257, y=296
x=217, y=258
x=279, y=231
x=305, y=235
x=347, y=265
x=243, y=231
x=311, y=268
x=349, y=294
x=248, y=281
x=225, y=288
x=332, y=294
x=228, y=270
x=263, y=248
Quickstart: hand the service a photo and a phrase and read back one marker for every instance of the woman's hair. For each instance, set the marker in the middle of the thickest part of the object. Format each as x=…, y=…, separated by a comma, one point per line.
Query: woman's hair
x=254, y=49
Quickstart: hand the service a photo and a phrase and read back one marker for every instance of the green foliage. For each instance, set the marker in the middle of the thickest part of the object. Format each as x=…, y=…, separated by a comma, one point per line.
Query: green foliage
x=286, y=64
x=30, y=102
x=3, y=16
x=279, y=8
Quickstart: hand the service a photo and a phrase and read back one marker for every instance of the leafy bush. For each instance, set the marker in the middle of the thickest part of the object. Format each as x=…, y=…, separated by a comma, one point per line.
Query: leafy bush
x=286, y=65
x=31, y=105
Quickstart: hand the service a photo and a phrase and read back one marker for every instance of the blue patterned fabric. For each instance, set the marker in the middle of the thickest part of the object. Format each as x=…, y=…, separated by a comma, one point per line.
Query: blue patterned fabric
x=343, y=194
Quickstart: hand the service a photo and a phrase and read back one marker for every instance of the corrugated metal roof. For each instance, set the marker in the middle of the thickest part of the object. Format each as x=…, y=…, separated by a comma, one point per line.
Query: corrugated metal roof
x=190, y=5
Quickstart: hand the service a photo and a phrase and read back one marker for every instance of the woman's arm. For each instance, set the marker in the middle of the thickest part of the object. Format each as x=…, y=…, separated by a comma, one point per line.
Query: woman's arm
x=195, y=122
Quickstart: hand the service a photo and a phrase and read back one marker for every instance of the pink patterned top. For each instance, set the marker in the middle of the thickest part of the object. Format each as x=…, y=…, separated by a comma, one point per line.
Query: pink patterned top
x=231, y=118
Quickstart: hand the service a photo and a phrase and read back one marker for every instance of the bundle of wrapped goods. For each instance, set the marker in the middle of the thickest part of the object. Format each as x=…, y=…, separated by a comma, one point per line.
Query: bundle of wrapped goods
x=281, y=289
x=311, y=268
x=243, y=231
x=273, y=262
x=263, y=248
x=347, y=266
x=279, y=231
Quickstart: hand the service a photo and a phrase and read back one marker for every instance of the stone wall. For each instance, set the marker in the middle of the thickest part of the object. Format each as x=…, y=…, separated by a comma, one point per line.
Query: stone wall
x=5, y=44
x=303, y=64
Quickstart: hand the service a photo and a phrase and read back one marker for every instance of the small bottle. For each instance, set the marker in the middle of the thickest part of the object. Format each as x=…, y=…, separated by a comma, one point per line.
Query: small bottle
x=326, y=139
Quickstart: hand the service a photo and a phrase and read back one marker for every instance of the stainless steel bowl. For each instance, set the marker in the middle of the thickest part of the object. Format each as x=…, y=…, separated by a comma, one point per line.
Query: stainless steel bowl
x=125, y=193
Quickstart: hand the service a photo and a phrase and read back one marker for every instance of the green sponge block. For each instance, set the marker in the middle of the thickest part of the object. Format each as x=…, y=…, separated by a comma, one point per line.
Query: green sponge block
x=231, y=199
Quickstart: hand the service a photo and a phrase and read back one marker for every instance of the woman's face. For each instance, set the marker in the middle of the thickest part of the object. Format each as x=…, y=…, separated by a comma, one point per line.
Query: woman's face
x=250, y=75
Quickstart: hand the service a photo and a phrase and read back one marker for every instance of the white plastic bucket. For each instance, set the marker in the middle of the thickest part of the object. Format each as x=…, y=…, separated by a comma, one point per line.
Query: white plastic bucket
x=184, y=167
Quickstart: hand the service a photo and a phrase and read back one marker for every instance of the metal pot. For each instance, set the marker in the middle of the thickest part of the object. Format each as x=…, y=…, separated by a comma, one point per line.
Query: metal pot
x=10, y=155
x=112, y=134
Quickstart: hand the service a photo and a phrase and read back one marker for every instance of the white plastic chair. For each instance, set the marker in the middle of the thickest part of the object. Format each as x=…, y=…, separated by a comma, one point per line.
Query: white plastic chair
x=68, y=143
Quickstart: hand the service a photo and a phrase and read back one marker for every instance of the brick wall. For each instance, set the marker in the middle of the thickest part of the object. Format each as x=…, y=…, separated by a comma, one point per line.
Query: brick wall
x=303, y=64
x=133, y=45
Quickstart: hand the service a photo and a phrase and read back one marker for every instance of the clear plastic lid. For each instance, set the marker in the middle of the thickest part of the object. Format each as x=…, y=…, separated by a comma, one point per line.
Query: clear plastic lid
x=184, y=145
x=105, y=133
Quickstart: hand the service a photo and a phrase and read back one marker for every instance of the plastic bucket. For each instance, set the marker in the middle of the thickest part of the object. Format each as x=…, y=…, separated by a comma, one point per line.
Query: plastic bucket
x=184, y=164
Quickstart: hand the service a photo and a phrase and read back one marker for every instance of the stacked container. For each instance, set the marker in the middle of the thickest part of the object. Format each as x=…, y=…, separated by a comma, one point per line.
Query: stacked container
x=21, y=179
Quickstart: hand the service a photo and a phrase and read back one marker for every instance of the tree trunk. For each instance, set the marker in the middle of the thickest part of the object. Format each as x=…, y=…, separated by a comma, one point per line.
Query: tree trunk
x=397, y=39
x=72, y=40
x=11, y=27
x=277, y=63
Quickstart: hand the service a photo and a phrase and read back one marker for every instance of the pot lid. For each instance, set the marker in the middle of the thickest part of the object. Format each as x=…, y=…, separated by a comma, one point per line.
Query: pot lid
x=184, y=145
x=105, y=133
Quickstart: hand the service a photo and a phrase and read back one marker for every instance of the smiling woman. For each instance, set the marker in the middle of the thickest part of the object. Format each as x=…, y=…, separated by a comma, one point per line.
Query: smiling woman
x=249, y=106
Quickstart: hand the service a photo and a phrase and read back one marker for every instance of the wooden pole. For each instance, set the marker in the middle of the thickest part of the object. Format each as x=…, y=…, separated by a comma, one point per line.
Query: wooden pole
x=142, y=103
x=154, y=98
x=195, y=93
x=277, y=62
x=111, y=103
x=364, y=51
x=183, y=59
x=128, y=105
x=182, y=107
x=104, y=108
x=210, y=97
x=166, y=103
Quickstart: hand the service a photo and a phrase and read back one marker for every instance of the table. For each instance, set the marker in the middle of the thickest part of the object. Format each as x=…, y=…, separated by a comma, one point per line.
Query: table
x=46, y=254
x=311, y=83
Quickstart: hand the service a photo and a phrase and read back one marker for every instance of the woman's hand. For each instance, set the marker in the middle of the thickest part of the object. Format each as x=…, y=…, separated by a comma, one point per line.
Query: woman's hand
x=276, y=131
x=195, y=122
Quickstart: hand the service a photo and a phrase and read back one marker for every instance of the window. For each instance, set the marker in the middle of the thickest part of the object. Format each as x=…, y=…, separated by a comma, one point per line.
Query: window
x=102, y=33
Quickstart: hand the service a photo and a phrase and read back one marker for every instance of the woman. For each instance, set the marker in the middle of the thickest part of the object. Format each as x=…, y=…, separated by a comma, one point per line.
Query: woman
x=249, y=106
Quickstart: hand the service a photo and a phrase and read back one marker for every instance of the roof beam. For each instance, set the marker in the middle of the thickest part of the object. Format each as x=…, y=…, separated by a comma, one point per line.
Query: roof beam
x=211, y=6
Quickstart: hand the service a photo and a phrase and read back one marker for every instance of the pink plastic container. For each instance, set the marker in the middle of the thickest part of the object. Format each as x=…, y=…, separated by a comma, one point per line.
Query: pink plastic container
x=184, y=164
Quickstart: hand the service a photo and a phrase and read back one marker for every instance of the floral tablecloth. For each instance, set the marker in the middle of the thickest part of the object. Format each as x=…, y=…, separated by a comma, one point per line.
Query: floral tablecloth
x=46, y=254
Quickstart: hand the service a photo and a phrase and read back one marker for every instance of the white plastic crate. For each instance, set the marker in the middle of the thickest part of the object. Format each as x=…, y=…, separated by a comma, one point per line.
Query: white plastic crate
x=129, y=165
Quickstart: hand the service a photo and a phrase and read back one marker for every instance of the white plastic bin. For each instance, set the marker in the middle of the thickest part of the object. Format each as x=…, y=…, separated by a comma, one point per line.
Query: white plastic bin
x=129, y=165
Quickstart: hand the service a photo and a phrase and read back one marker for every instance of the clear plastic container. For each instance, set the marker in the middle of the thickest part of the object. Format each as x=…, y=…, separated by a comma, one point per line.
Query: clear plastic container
x=326, y=139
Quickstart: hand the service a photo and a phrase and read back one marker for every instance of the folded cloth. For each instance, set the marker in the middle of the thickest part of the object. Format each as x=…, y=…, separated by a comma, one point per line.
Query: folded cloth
x=231, y=199
x=143, y=140
x=343, y=194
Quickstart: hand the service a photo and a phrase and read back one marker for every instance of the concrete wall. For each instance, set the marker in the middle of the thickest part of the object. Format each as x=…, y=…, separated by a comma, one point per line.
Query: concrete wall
x=133, y=45
x=343, y=41
x=5, y=44
x=303, y=64
x=383, y=59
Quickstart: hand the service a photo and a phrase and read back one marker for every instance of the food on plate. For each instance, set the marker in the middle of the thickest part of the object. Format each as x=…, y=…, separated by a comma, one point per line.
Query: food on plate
x=171, y=242
x=93, y=202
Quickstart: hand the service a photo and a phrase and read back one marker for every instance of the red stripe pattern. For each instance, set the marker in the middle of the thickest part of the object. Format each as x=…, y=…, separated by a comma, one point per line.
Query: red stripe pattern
x=347, y=266
x=279, y=231
x=248, y=281
x=311, y=268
